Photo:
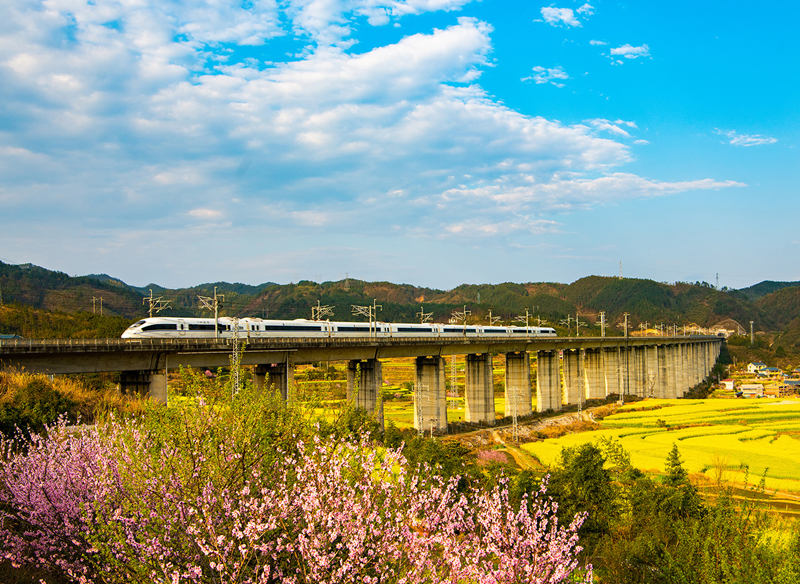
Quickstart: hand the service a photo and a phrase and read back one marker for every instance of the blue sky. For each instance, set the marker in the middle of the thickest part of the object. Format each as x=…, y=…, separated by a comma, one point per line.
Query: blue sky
x=432, y=142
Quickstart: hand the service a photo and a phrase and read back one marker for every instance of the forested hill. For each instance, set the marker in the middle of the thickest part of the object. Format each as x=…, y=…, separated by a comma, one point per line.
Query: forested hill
x=648, y=301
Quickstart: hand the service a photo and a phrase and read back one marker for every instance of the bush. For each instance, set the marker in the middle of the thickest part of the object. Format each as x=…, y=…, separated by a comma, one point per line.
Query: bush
x=31, y=405
x=236, y=487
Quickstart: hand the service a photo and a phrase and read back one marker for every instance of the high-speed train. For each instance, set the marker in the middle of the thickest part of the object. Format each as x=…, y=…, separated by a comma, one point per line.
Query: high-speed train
x=226, y=327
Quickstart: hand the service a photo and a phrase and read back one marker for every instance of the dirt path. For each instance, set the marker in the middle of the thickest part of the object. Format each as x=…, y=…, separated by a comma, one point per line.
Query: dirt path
x=526, y=432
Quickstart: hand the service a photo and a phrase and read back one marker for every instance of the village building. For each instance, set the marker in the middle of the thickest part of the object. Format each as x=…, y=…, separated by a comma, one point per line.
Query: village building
x=751, y=390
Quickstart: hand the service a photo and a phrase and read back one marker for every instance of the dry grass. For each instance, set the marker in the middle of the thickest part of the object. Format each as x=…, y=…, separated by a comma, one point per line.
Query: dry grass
x=89, y=402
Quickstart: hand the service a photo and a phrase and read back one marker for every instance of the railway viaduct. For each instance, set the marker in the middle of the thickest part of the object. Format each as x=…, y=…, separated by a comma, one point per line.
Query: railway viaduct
x=568, y=370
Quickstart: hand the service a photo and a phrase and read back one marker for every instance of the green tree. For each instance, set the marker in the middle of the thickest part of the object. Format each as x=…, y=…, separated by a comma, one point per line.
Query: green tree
x=582, y=483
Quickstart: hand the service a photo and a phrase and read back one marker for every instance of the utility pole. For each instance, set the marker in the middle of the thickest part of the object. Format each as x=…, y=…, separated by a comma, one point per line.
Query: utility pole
x=320, y=311
x=578, y=324
x=462, y=315
x=213, y=303
x=235, y=358
x=94, y=301
x=155, y=305
x=751, y=333
x=370, y=312
x=493, y=319
x=566, y=321
x=524, y=318
x=581, y=379
x=602, y=323
x=423, y=316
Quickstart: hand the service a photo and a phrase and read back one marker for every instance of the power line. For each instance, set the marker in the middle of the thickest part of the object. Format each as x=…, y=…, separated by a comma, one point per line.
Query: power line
x=602, y=323
x=460, y=315
x=155, y=305
x=578, y=324
x=320, y=311
x=370, y=312
x=423, y=316
x=213, y=303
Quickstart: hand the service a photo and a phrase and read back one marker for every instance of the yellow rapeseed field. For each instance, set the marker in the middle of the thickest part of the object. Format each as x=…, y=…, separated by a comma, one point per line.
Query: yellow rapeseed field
x=724, y=440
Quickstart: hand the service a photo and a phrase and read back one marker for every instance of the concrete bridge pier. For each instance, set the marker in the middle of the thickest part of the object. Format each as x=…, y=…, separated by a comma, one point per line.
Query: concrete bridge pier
x=594, y=374
x=651, y=377
x=276, y=376
x=479, y=389
x=696, y=367
x=635, y=377
x=573, y=382
x=364, y=380
x=683, y=369
x=663, y=381
x=518, y=384
x=672, y=372
x=430, y=398
x=611, y=370
x=548, y=381
x=150, y=383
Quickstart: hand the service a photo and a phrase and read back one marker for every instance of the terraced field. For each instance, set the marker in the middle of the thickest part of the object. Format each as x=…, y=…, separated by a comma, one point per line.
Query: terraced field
x=717, y=438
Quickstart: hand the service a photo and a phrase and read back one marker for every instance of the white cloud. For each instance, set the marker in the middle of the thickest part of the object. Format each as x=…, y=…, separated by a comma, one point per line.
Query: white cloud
x=586, y=9
x=627, y=51
x=313, y=218
x=548, y=75
x=471, y=228
x=559, y=16
x=596, y=43
x=327, y=21
x=746, y=140
x=130, y=116
x=613, y=127
x=205, y=213
x=566, y=190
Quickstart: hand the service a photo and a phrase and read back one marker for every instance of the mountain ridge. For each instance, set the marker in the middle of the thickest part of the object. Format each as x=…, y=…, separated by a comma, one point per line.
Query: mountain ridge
x=776, y=304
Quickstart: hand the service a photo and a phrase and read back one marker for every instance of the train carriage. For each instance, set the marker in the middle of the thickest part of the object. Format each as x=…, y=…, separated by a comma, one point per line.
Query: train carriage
x=164, y=327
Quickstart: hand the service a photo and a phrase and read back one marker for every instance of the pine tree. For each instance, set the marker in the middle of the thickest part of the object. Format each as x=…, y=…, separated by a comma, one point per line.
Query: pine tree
x=676, y=475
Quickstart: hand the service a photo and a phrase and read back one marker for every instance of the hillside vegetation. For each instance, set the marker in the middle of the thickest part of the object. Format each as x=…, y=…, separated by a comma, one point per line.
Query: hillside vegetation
x=774, y=307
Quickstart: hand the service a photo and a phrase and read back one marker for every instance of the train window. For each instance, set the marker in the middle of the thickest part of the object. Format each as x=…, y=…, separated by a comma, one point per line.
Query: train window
x=202, y=327
x=141, y=322
x=414, y=329
x=520, y=331
x=472, y=329
x=354, y=329
x=453, y=329
x=494, y=330
x=160, y=327
x=302, y=327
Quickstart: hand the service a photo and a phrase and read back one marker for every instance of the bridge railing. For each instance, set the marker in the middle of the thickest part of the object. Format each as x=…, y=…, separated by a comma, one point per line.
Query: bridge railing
x=219, y=343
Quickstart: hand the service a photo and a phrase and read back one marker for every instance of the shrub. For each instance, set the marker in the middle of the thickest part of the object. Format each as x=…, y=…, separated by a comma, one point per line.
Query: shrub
x=238, y=490
x=30, y=402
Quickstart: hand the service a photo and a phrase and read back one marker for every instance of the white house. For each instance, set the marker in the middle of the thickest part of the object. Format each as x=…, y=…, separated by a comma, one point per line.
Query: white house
x=751, y=390
x=756, y=367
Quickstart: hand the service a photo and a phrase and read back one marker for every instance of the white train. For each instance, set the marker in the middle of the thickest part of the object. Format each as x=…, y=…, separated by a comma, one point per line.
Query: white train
x=203, y=328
